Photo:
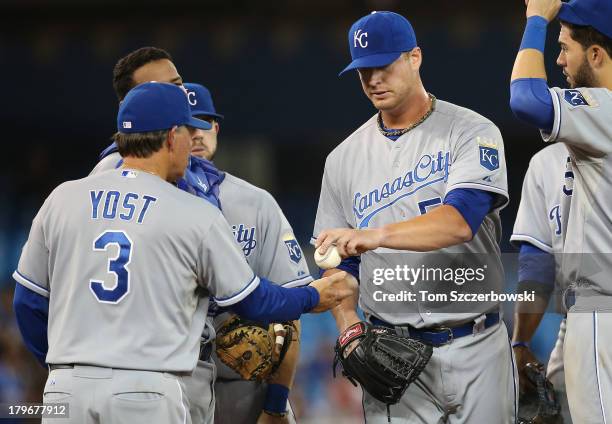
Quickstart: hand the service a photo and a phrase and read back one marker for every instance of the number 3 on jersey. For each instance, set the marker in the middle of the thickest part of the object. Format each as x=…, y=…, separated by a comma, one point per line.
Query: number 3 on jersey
x=117, y=266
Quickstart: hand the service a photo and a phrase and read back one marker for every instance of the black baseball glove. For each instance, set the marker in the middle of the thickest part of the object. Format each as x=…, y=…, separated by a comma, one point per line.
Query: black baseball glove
x=540, y=406
x=381, y=361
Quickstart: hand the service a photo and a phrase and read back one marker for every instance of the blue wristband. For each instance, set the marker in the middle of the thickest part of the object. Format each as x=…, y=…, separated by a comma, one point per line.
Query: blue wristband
x=520, y=344
x=276, y=398
x=534, y=36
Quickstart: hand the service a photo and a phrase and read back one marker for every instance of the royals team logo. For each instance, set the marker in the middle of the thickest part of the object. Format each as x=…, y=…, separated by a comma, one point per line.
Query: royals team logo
x=488, y=153
x=295, y=253
x=245, y=237
x=360, y=37
x=579, y=98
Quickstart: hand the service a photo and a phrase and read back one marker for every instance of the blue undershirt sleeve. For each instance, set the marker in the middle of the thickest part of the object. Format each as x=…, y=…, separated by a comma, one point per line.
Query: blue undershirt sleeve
x=536, y=265
x=32, y=312
x=472, y=204
x=531, y=102
x=272, y=303
x=350, y=265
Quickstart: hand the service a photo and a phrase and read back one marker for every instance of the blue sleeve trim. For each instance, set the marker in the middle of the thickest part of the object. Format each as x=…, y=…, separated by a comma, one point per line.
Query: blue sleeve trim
x=517, y=238
x=531, y=102
x=536, y=265
x=32, y=312
x=248, y=288
x=272, y=303
x=302, y=281
x=37, y=288
x=472, y=204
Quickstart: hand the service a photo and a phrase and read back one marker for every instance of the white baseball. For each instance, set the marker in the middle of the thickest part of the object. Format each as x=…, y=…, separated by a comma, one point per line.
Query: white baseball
x=331, y=258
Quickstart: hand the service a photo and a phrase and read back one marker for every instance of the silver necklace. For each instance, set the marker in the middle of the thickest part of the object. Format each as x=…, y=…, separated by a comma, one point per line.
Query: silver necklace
x=390, y=132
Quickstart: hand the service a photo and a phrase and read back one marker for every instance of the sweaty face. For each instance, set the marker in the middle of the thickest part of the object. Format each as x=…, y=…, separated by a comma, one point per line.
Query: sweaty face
x=161, y=70
x=388, y=87
x=573, y=59
x=204, y=142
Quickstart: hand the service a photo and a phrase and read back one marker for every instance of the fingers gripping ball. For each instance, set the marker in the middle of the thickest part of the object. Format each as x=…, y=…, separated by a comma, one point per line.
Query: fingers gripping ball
x=384, y=363
x=252, y=350
x=331, y=258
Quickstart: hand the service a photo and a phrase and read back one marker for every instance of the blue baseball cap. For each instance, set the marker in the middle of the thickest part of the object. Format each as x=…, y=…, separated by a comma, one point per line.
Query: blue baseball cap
x=378, y=39
x=595, y=13
x=201, y=101
x=155, y=106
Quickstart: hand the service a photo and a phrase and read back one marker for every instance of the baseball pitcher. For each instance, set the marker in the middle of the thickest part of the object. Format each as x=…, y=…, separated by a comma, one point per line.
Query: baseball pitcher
x=422, y=181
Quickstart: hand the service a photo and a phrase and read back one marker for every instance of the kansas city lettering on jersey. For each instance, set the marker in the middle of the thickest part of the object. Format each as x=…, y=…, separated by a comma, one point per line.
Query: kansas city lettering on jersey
x=428, y=170
x=245, y=237
x=113, y=204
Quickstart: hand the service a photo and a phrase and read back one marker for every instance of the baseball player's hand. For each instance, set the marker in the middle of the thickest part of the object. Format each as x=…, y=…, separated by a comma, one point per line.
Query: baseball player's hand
x=548, y=9
x=348, y=241
x=271, y=419
x=279, y=332
x=523, y=356
x=330, y=292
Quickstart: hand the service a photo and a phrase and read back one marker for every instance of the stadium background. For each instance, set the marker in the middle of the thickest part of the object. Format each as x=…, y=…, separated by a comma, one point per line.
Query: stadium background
x=272, y=67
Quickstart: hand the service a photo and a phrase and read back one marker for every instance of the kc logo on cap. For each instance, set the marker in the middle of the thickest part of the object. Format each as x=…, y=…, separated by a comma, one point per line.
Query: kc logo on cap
x=191, y=96
x=378, y=39
x=358, y=37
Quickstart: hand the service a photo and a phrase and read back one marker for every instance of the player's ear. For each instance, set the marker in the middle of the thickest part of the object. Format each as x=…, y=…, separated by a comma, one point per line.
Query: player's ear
x=216, y=126
x=596, y=55
x=415, y=57
x=171, y=137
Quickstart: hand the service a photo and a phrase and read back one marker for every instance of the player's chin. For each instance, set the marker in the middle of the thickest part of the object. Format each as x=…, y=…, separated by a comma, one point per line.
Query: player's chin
x=201, y=152
x=382, y=104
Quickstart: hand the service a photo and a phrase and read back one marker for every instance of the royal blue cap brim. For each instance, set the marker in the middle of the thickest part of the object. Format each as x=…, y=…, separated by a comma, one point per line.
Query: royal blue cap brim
x=195, y=112
x=372, y=61
x=567, y=14
x=198, y=123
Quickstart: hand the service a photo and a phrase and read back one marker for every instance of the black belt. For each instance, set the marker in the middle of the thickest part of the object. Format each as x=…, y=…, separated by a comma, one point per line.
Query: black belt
x=441, y=335
x=205, y=351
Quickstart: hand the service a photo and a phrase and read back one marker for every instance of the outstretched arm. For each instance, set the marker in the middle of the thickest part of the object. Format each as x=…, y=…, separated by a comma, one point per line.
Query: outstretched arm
x=441, y=227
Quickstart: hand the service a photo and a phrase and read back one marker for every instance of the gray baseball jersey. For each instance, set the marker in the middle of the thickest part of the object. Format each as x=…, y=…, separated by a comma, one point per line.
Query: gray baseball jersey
x=545, y=201
x=266, y=238
x=542, y=221
x=583, y=122
x=122, y=264
x=370, y=181
x=263, y=232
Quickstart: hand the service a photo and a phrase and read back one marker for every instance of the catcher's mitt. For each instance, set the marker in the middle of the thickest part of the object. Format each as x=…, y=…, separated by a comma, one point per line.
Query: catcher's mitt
x=381, y=361
x=250, y=348
x=540, y=406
